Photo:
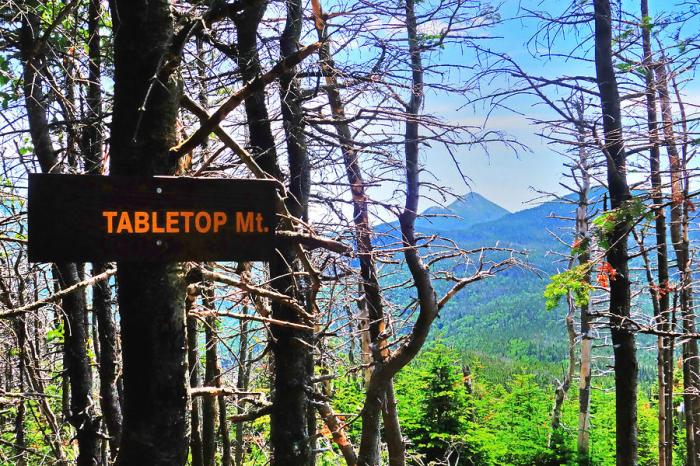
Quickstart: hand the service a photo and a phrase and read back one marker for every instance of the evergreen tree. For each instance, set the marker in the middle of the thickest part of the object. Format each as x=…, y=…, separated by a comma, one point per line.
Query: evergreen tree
x=438, y=411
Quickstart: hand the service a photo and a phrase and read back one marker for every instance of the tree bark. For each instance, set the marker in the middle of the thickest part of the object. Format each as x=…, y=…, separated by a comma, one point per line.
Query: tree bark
x=242, y=385
x=380, y=378
x=622, y=335
x=20, y=328
x=563, y=387
x=338, y=432
x=210, y=403
x=691, y=365
x=260, y=133
x=660, y=295
x=292, y=421
x=109, y=358
x=226, y=457
x=372, y=302
x=196, y=446
x=293, y=366
x=77, y=361
x=392, y=428
x=263, y=148
x=82, y=415
x=151, y=296
x=91, y=145
x=583, y=235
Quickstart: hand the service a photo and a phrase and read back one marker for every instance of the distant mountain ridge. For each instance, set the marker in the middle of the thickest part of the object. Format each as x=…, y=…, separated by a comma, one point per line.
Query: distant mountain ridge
x=483, y=222
x=468, y=210
x=504, y=316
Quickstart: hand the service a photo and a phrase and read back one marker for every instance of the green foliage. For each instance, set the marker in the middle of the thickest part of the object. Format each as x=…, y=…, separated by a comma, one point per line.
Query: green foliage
x=430, y=40
x=574, y=281
x=505, y=423
x=625, y=67
x=626, y=34
x=26, y=147
x=647, y=23
x=56, y=335
x=9, y=84
x=5, y=74
x=348, y=398
x=625, y=216
x=439, y=418
x=519, y=416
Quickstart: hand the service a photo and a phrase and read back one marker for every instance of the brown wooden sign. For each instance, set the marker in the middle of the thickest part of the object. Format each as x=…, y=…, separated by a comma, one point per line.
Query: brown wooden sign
x=151, y=219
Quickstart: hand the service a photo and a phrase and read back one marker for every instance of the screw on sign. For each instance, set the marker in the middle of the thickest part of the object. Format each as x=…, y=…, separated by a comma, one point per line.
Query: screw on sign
x=150, y=218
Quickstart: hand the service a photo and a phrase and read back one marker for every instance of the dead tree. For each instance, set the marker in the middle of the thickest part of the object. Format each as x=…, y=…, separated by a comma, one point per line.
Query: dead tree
x=92, y=146
x=624, y=347
x=33, y=48
x=372, y=299
x=661, y=290
x=691, y=364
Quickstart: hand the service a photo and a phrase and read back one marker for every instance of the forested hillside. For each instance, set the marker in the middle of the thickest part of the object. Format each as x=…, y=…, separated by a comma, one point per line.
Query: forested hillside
x=512, y=302
x=321, y=232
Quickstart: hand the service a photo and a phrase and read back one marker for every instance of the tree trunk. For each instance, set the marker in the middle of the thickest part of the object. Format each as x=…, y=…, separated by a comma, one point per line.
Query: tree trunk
x=226, y=458
x=196, y=447
x=260, y=134
x=242, y=385
x=582, y=238
x=691, y=365
x=211, y=379
x=292, y=362
x=622, y=335
x=91, y=144
x=380, y=379
x=392, y=428
x=151, y=296
x=685, y=225
x=20, y=328
x=82, y=415
x=338, y=432
x=583, y=235
x=372, y=303
x=263, y=147
x=77, y=362
x=109, y=358
x=292, y=424
x=584, y=398
x=661, y=294
x=563, y=387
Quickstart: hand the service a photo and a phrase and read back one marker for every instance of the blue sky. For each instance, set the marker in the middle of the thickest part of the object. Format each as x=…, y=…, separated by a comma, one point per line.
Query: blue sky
x=503, y=176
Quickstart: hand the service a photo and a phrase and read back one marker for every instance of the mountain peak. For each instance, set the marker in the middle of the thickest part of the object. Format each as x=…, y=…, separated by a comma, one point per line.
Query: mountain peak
x=468, y=210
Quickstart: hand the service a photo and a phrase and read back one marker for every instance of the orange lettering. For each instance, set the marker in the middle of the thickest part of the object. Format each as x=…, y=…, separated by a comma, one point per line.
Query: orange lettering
x=259, y=219
x=245, y=224
x=154, y=224
x=171, y=222
x=207, y=222
x=219, y=220
x=124, y=223
x=187, y=216
x=140, y=222
x=109, y=215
